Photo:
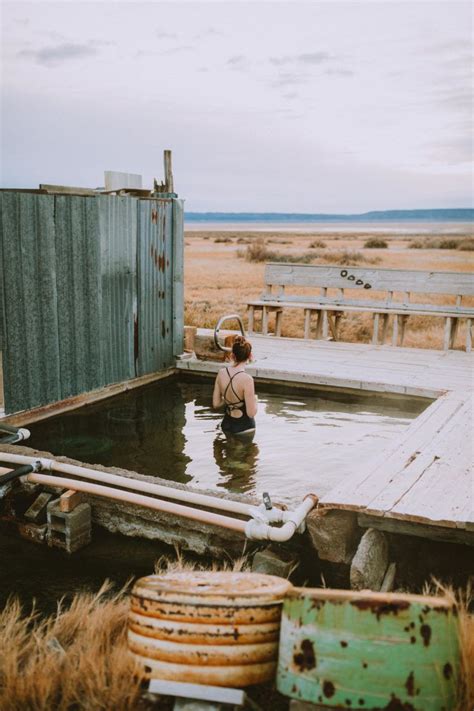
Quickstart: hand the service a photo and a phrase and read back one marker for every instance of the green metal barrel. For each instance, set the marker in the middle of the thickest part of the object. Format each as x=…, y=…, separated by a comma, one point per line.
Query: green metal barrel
x=366, y=650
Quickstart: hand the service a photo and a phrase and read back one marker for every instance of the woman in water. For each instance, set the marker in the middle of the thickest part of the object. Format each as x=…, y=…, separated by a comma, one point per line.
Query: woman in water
x=235, y=389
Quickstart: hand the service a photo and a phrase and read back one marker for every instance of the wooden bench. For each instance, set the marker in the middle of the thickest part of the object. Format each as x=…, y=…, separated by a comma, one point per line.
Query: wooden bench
x=397, y=287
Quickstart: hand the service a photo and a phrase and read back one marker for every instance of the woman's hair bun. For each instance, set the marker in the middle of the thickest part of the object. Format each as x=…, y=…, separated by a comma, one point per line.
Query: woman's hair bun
x=241, y=349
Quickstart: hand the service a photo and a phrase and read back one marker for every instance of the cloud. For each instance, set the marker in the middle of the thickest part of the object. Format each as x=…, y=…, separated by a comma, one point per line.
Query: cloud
x=165, y=35
x=178, y=50
x=340, y=72
x=238, y=63
x=452, y=152
x=55, y=55
x=289, y=79
x=305, y=58
x=210, y=32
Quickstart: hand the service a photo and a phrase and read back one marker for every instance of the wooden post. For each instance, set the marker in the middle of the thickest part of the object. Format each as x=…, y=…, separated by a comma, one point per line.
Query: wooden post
x=265, y=320
x=395, y=330
x=325, y=324
x=319, y=325
x=375, y=334
x=403, y=323
x=468, y=335
x=251, y=317
x=384, y=327
x=278, y=320
x=447, y=332
x=454, y=332
x=307, y=323
x=337, y=317
x=168, y=172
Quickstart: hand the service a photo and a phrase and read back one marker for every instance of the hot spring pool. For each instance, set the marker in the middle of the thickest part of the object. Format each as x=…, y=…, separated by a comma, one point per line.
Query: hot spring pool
x=303, y=442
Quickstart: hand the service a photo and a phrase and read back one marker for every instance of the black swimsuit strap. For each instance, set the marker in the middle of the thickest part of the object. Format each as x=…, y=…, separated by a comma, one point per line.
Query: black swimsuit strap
x=230, y=384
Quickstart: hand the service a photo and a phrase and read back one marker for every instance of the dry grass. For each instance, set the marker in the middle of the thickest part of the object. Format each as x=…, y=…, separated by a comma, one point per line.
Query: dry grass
x=218, y=281
x=376, y=243
x=464, y=600
x=75, y=659
x=462, y=243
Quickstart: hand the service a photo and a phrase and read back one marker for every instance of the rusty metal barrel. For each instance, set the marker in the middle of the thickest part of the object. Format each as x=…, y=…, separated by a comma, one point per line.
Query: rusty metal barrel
x=207, y=627
x=366, y=650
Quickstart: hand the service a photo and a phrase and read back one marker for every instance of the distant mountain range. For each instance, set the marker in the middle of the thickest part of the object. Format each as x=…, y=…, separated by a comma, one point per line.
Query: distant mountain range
x=442, y=215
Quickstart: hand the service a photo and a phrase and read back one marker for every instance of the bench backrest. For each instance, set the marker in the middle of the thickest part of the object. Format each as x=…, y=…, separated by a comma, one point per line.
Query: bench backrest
x=388, y=280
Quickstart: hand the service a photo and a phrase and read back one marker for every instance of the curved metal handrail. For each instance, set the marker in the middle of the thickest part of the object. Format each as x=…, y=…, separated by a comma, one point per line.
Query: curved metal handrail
x=228, y=317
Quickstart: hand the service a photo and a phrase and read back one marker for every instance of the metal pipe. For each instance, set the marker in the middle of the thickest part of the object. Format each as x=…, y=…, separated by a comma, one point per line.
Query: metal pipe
x=140, y=500
x=128, y=483
x=219, y=324
x=260, y=530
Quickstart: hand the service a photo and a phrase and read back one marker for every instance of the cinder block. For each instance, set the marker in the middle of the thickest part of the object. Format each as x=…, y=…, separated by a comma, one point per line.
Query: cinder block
x=69, y=530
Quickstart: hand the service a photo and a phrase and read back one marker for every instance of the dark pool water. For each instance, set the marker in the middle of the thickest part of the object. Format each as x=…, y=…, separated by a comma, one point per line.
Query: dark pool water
x=303, y=443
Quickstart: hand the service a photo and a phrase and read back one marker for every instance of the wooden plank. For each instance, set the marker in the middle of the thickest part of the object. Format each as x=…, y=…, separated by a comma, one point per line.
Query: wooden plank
x=412, y=528
x=70, y=500
x=396, y=280
x=375, y=334
x=307, y=323
x=448, y=436
x=370, y=481
x=168, y=168
x=300, y=302
x=395, y=331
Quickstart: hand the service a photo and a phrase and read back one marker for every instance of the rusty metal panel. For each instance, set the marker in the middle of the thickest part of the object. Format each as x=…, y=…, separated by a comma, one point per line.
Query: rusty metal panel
x=343, y=649
x=155, y=286
x=31, y=359
x=118, y=260
x=89, y=285
x=78, y=283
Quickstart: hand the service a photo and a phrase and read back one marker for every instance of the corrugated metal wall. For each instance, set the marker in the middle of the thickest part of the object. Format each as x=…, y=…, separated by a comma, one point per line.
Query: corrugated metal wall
x=88, y=292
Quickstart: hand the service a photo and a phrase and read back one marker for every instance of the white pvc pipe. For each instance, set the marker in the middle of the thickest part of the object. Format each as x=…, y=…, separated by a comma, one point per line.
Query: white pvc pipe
x=137, y=485
x=138, y=499
x=259, y=530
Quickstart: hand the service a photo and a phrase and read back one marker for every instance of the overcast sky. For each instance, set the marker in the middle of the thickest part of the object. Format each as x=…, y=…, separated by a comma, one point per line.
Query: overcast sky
x=287, y=106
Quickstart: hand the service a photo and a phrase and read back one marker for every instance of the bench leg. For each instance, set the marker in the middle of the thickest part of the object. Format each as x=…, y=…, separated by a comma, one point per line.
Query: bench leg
x=447, y=332
x=333, y=323
x=251, y=319
x=384, y=328
x=337, y=318
x=395, y=330
x=307, y=323
x=403, y=323
x=468, y=335
x=325, y=324
x=375, y=334
x=278, y=320
x=265, y=320
x=319, y=325
x=454, y=332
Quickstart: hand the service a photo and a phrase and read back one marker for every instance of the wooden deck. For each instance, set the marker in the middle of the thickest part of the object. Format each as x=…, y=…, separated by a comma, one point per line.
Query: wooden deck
x=424, y=482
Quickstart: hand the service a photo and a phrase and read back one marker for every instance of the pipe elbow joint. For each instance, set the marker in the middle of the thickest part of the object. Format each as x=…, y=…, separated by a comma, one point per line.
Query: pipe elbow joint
x=257, y=529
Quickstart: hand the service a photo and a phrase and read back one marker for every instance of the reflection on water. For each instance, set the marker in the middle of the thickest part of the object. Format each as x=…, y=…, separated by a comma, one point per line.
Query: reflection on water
x=301, y=444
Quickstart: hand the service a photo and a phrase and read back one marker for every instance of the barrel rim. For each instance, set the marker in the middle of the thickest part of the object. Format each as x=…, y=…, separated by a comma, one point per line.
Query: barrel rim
x=340, y=596
x=225, y=588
